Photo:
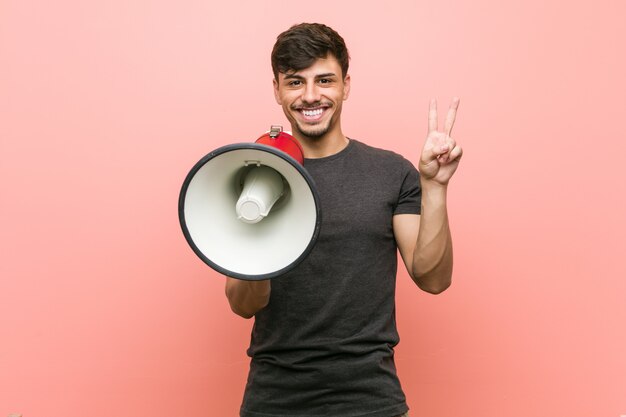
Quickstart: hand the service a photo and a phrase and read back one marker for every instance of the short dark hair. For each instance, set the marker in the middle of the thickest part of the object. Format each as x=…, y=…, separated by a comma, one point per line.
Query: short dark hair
x=301, y=45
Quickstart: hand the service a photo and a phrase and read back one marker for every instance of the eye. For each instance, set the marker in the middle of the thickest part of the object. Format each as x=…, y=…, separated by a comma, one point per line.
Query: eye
x=294, y=83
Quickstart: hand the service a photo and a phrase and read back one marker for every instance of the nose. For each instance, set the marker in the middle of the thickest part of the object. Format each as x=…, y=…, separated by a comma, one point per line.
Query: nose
x=311, y=94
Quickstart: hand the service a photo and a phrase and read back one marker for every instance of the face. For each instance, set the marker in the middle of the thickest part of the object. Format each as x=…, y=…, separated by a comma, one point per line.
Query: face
x=312, y=98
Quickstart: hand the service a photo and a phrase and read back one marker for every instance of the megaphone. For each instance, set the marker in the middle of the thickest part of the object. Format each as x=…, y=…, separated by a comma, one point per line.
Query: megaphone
x=250, y=210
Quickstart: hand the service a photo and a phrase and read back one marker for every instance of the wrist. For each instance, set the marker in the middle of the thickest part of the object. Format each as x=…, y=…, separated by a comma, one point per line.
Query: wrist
x=434, y=195
x=430, y=185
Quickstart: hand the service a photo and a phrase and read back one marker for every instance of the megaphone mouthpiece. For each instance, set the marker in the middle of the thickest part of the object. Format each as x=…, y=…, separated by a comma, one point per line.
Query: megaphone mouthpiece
x=263, y=186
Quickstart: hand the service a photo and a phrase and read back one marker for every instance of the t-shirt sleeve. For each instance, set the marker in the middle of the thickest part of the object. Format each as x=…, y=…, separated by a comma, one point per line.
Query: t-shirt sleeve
x=410, y=197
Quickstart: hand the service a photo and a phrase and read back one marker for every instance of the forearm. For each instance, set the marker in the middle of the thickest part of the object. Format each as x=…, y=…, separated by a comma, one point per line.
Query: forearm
x=246, y=298
x=432, y=257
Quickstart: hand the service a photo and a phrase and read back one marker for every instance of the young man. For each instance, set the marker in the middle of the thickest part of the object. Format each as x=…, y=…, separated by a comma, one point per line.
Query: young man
x=324, y=333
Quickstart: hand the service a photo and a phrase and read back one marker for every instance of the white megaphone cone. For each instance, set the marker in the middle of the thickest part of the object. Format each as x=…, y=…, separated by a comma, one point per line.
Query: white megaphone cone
x=250, y=210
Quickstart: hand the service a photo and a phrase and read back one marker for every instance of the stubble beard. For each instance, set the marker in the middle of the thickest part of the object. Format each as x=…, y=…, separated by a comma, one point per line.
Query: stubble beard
x=312, y=132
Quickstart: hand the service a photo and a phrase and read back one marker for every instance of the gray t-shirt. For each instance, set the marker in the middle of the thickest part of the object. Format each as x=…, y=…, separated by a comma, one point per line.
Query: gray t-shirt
x=324, y=344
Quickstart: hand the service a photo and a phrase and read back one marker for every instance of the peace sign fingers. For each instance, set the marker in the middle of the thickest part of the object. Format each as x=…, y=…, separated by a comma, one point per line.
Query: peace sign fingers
x=450, y=117
x=440, y=154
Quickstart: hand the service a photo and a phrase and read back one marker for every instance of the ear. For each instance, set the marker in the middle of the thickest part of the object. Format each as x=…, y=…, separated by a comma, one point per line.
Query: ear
x=276, y=95
x=346, y=87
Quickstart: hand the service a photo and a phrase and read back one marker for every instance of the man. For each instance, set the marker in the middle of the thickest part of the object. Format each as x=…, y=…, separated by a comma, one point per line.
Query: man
x=324, y=333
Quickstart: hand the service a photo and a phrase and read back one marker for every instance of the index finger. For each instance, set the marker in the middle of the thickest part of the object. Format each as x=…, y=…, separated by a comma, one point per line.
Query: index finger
x=451, y=115
x=432, y=116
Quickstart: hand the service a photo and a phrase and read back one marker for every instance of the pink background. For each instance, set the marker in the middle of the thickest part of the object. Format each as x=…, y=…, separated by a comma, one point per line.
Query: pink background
x=106, y=105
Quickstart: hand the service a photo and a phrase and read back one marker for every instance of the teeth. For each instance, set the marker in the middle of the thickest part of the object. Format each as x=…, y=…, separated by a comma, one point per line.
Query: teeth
x=310, y=113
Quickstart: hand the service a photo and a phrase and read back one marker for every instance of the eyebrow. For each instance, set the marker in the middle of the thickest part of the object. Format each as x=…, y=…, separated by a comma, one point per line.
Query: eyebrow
x=299, y=77
x=327, y=75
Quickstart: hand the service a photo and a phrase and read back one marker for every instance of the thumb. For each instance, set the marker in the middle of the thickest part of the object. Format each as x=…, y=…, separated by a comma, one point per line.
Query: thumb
x=430, y=153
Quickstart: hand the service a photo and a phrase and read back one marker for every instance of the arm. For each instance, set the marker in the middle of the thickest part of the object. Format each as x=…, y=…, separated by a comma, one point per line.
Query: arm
x=246, y=298
x=424, y=241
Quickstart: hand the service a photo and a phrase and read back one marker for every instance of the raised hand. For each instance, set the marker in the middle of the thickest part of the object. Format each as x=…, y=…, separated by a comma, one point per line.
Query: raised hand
x=440, y=155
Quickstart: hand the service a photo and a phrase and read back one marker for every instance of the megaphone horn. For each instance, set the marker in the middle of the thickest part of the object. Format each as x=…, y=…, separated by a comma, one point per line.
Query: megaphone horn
x=250, y=210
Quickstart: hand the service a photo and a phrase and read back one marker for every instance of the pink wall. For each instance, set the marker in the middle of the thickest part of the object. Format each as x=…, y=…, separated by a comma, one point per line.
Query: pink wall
x=105, y=106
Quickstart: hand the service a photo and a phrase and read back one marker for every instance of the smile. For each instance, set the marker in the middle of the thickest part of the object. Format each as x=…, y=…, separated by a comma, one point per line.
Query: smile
x=312, y=114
